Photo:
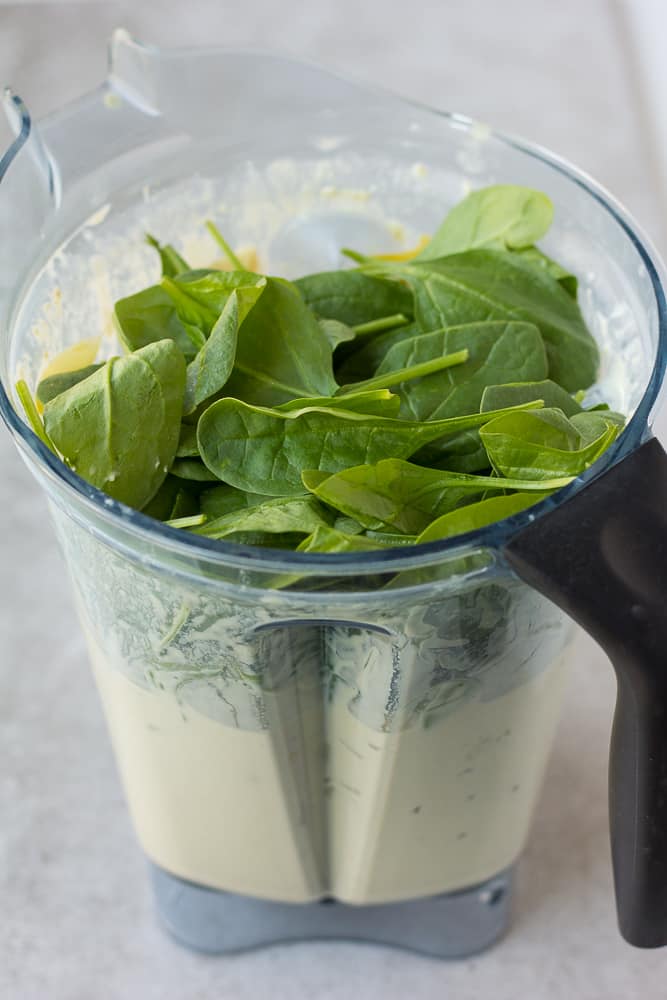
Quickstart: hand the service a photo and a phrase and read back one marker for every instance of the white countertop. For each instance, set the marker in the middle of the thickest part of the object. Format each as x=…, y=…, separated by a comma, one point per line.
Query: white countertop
x=77, y=916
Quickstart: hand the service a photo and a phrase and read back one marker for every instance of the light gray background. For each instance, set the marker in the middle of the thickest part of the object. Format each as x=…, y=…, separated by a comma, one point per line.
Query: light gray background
x=76, y=912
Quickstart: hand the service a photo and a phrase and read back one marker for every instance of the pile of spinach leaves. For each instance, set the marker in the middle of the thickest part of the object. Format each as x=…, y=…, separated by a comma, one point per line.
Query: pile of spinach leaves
x=394, y=402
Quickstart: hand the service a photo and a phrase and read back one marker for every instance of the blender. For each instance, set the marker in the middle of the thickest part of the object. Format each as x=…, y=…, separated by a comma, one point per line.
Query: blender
x=358, y=755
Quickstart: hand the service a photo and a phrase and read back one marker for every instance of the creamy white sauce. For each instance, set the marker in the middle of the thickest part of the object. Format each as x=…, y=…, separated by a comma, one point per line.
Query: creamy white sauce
x=384, y=816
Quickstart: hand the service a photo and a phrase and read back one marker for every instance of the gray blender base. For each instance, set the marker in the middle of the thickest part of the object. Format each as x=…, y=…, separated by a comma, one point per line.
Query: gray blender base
x=452, y=925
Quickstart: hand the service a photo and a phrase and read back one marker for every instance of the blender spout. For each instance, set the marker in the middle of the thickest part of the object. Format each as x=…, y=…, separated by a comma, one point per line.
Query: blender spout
x=19, y=121
x=30, y=193
x=134, y=71
x=174, y=85
x=27, y=136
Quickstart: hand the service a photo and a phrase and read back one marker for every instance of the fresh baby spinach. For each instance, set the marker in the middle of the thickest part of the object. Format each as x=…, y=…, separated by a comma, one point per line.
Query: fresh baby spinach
x=326, y=539
x=478, y=515
x=296, y=515
x=221, y=500
x=161, y=506
x=492, y=284
x=545, y=444
x=337, y=332
x=540, y=260
x=187, y=442
x=201, y=295
x=496, y=352
x=186, y=504
x=193, y=470
x=395, y=495
x=119, y=428
x=53, y=385
x=281, y=351
x=283, y=414
x=210, y=370
x=171, y=261
x=354, y=298
x=501, y=216
x=150, y=316
x=264, y=450
x=513, y=393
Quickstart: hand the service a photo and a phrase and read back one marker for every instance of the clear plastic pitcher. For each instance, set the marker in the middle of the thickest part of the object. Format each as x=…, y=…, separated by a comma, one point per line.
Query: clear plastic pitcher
x=367, y=731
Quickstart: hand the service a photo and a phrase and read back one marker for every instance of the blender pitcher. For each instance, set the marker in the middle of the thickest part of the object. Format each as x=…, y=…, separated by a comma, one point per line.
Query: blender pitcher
x=358, y=754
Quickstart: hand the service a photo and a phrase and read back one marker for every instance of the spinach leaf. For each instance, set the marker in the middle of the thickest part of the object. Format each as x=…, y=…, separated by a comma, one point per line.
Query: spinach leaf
x=463, y=452
x=196, y=314
x=545, y=444
x=150, y=316
x=568, y=281
x=265, y=450
x=512, y=393
x=501, y=216
x=296, y=515
x=161, y=505
x=478, y=515
x=208, y=373
x=352, y=297
x=221, y=500
x=591, y=423
x=466, y=452
x=379, y=402
x=119, y=428
x=492, y=284
x=498, y=352
x=394, y=495
x=53, y=385
x=604, y=410
x=186, y=504
x=326, y=539
x=200, y=296
x=171, y=261
x=348, y=525
x=281, y=351
x=187, y=442
x=336, y=332
x=174, y=500
x=194, y=470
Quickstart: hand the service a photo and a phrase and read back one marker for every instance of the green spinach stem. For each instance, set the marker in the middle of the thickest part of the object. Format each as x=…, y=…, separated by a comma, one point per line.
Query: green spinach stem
x=28, y=404
x=389, y=379
x=383, y=323
x=224, y=246
x=192, y=521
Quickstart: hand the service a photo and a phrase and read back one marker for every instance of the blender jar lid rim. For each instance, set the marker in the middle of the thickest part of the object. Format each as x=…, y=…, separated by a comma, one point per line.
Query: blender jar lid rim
x=491, y=536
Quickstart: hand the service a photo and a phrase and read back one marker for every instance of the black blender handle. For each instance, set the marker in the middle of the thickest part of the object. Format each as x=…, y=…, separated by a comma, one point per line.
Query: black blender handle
x=602, y=558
